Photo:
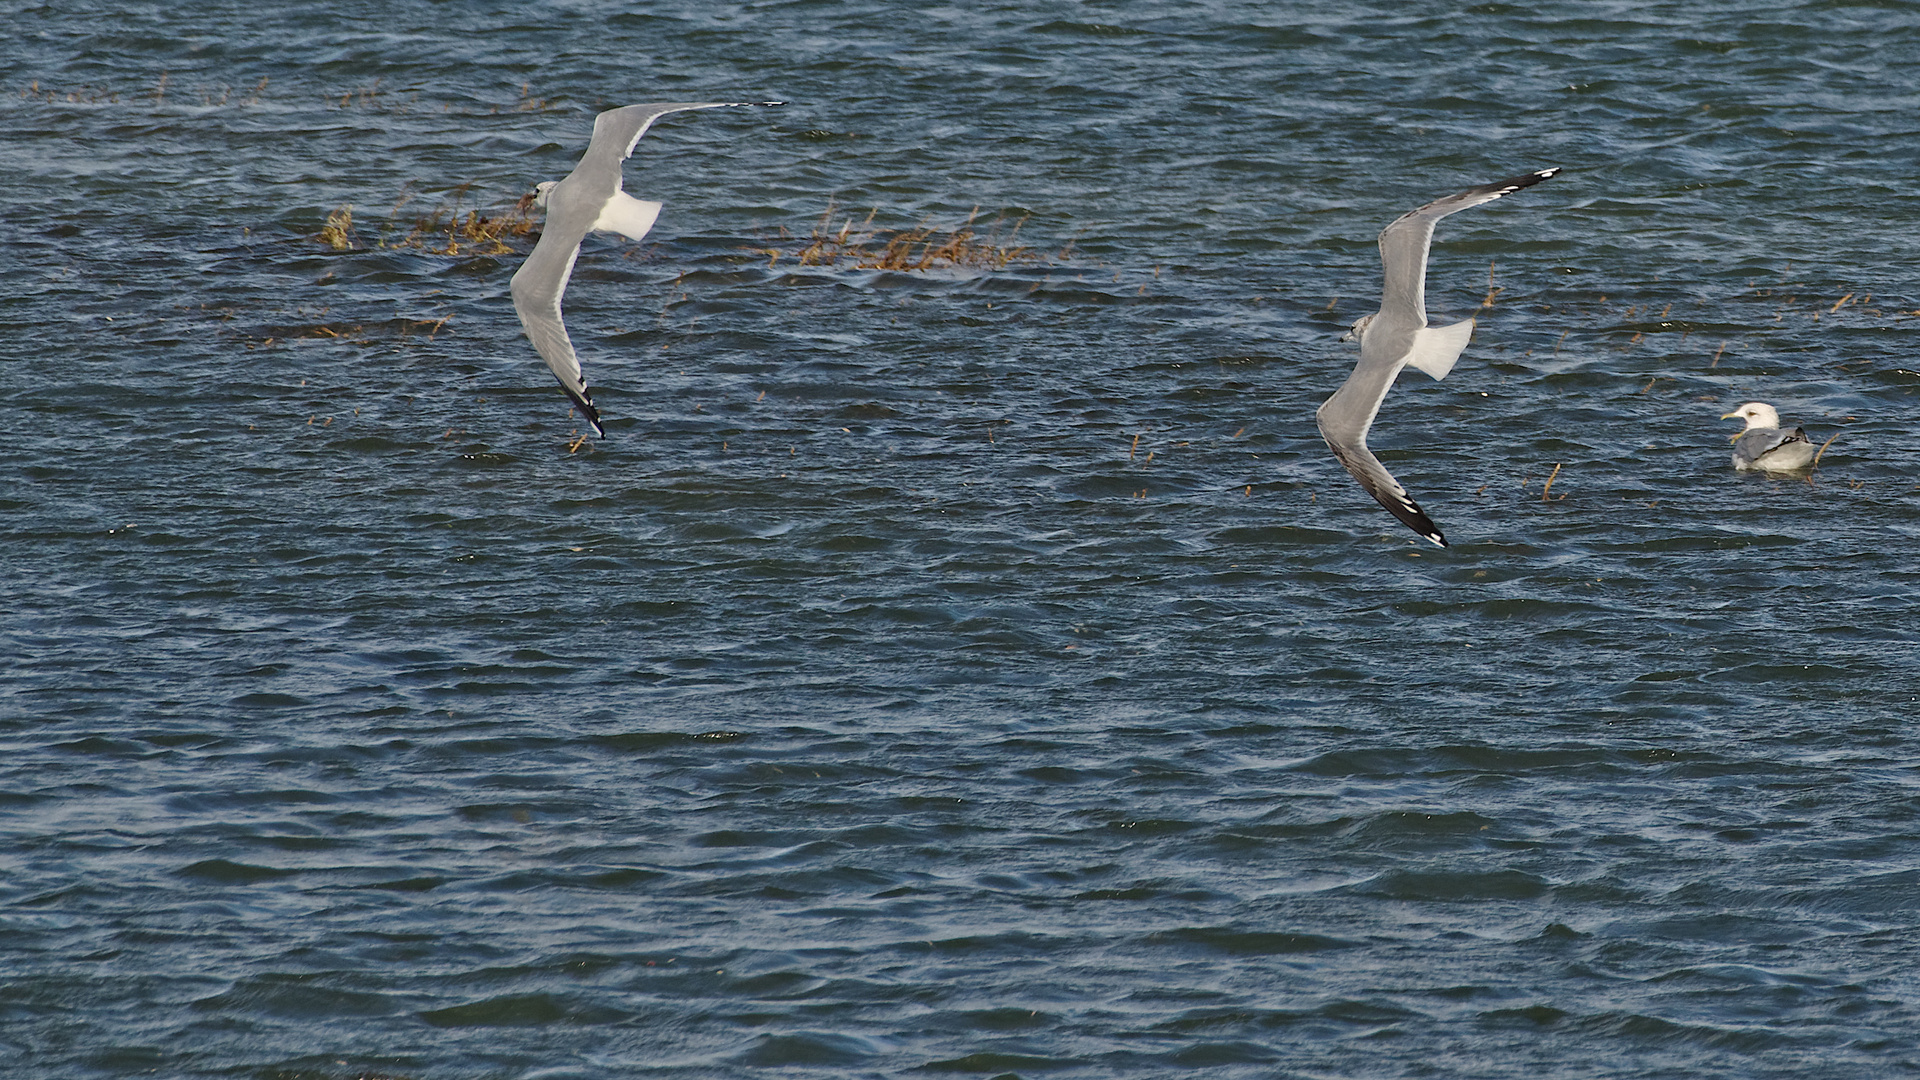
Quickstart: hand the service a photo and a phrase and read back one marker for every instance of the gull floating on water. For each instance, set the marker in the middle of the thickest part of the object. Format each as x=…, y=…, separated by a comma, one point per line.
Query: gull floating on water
x=1762, y=445
x=588, y=200
x=1397, y=336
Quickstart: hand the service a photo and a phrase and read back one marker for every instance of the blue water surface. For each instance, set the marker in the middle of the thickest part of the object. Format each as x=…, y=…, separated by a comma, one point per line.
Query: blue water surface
x=967, y=670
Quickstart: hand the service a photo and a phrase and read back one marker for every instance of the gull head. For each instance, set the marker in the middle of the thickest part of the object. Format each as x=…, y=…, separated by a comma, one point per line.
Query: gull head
x=1756, y=414
x=1359, y=331
x=543, y=189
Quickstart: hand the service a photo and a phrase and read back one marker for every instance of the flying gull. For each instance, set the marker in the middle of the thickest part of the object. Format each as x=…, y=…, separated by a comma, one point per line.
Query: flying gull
x=1397, y=336
x=588, y=200
x=1762, y=445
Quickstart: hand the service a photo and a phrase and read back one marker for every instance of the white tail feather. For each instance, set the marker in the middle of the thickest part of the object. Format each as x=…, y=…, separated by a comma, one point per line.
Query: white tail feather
x=626, y=215
x=1435, y=348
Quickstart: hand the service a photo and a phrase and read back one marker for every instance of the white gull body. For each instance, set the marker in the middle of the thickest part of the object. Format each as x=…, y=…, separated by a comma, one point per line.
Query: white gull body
x=1763, y=445
x=588, y=200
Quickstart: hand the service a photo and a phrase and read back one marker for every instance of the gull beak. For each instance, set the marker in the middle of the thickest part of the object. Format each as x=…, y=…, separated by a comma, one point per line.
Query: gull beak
x=1348, y=336
x=1731, y=416
x=1733, y=438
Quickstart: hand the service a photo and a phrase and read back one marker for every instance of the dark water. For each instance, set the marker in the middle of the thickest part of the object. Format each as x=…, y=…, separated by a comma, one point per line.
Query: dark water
x=957, y=672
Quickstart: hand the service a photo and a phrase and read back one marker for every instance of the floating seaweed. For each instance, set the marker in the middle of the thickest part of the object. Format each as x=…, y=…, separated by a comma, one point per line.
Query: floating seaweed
x=923, y=247
x=445, y=230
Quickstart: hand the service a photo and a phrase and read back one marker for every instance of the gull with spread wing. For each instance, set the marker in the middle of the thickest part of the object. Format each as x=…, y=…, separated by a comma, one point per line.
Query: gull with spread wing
x=588, y=200
x=1397, y=336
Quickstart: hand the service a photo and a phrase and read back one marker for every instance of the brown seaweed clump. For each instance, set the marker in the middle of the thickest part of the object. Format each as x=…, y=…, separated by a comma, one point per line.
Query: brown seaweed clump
x=923, y=247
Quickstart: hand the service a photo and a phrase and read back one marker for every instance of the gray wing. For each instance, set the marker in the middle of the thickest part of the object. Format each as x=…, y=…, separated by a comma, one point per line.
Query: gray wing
x=1760, y=442
x=537, y=288
x=1404, y=244
x=1344, y=420
x=617, y=131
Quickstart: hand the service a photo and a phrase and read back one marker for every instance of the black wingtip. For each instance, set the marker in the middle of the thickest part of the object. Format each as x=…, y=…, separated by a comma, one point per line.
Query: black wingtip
x=581, y=402
x=1527, y=180
x=1410, y=515
x=1419, y=522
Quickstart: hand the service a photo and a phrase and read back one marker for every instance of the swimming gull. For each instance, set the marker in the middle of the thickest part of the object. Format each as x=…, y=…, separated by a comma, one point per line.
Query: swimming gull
x=588, y=200
x=1762, y=445
x=1397, y=336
